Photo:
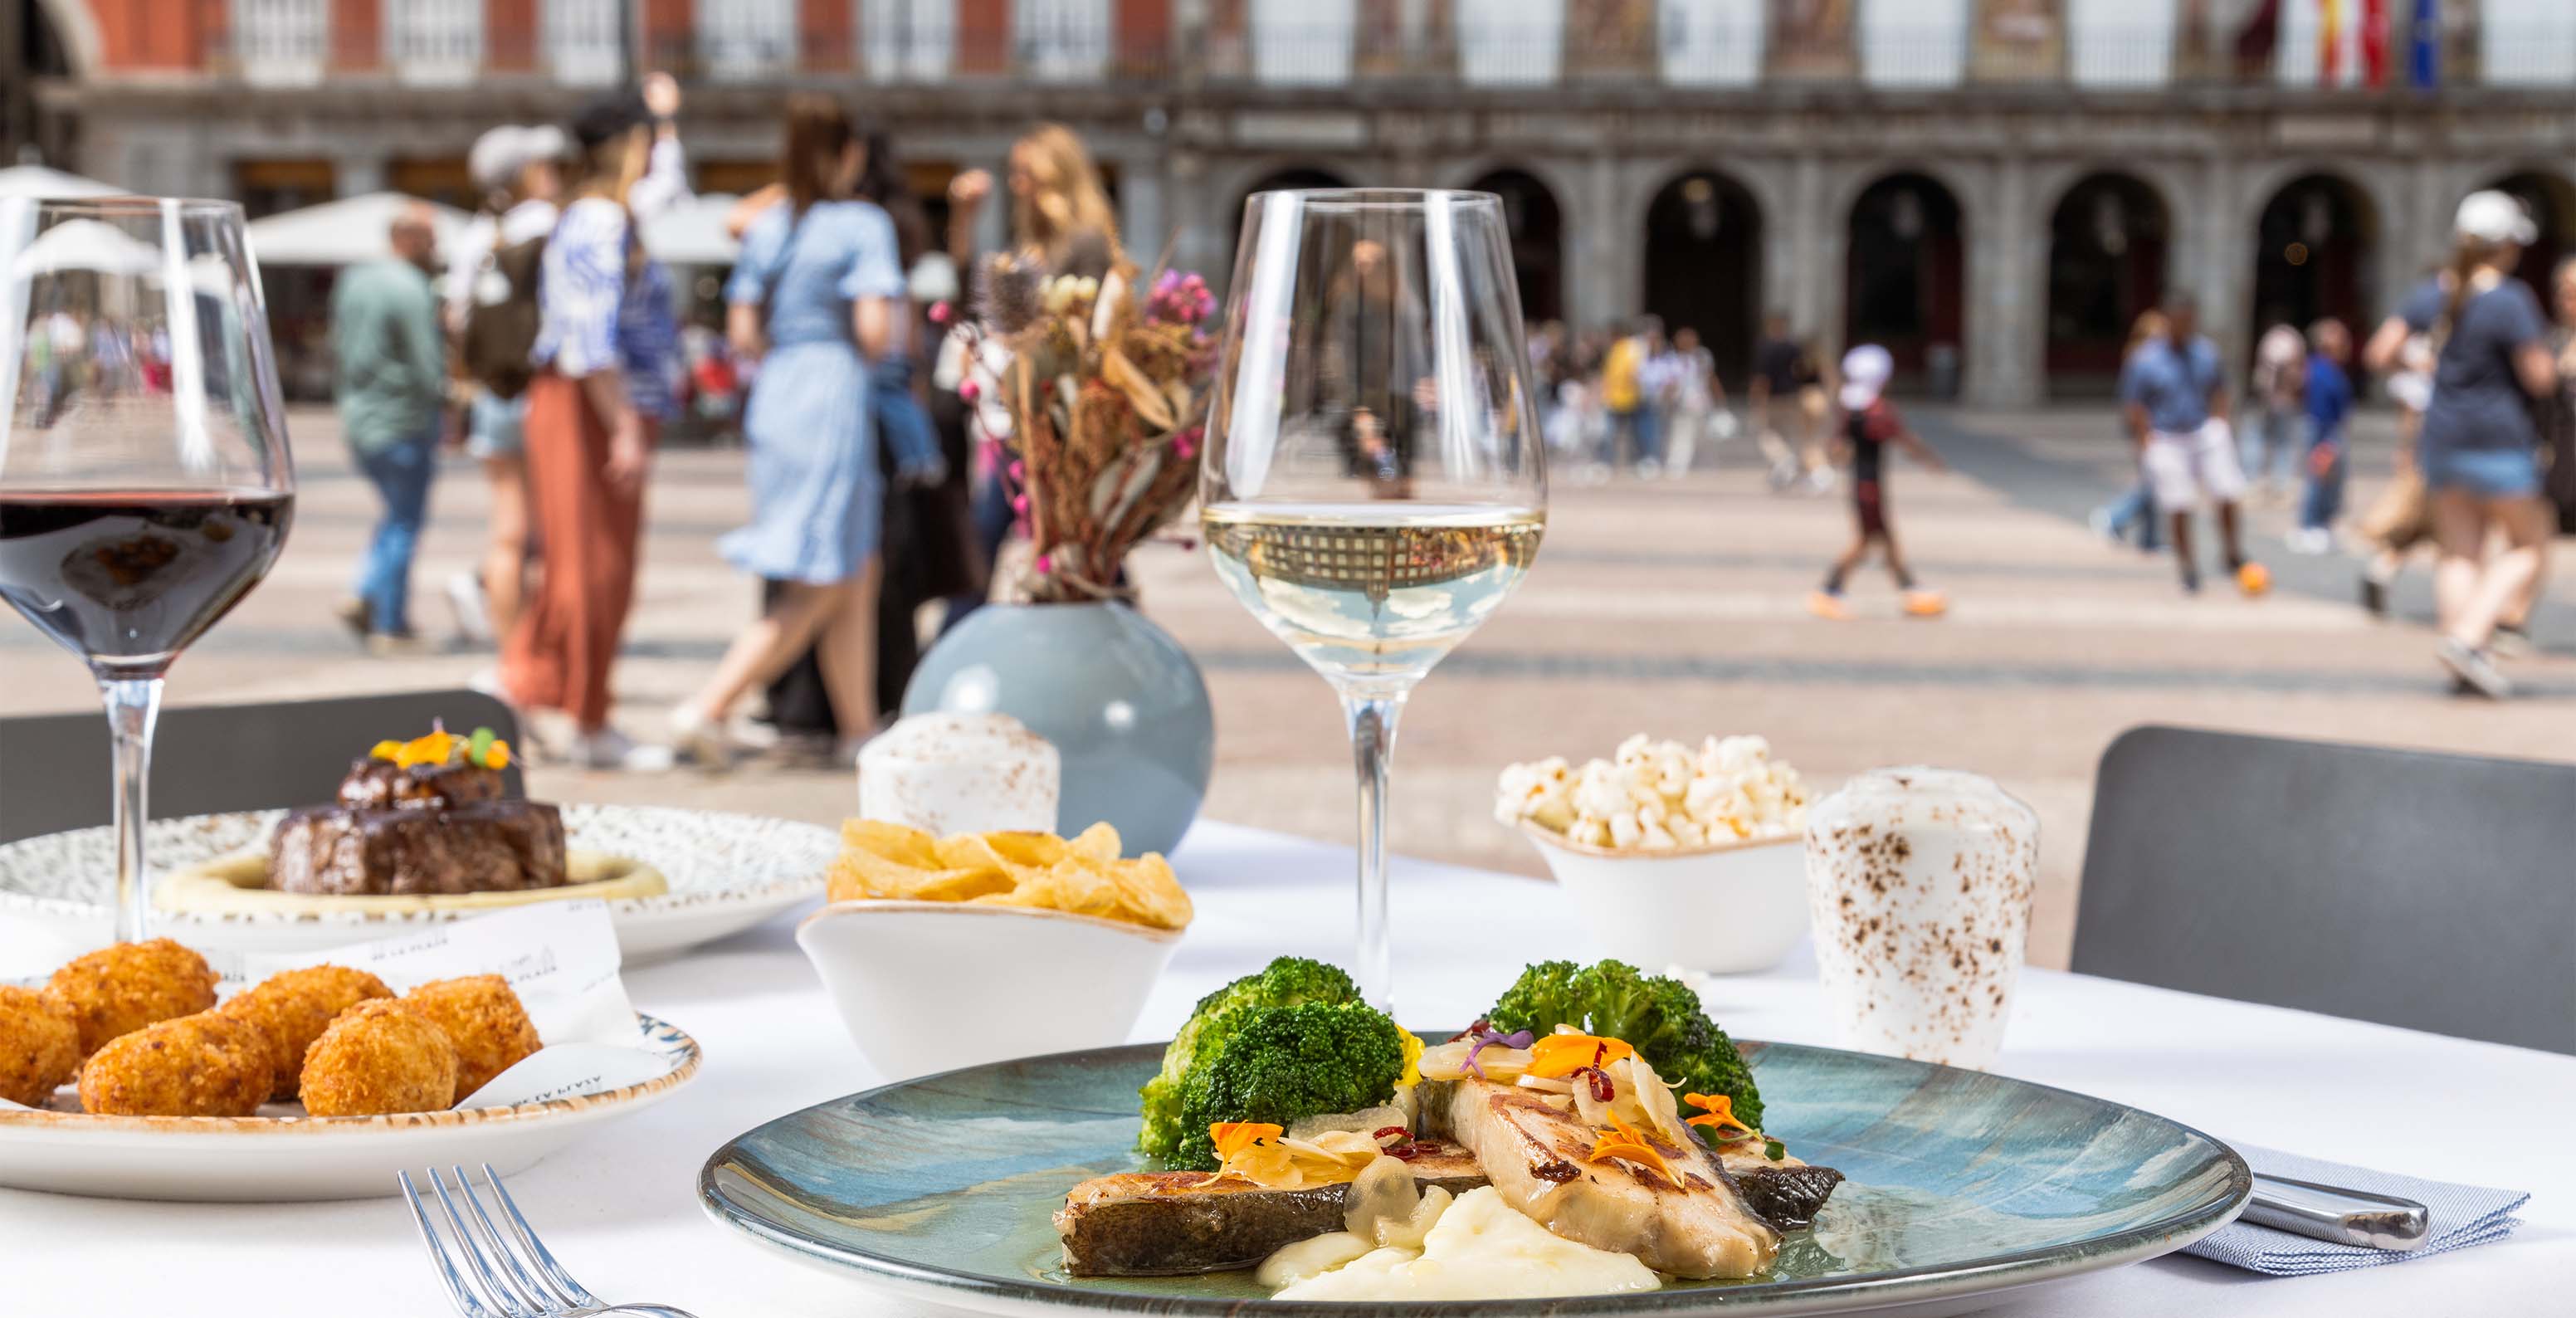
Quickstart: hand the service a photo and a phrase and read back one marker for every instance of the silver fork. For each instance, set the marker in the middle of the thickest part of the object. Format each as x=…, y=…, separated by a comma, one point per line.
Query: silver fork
x=527, y=1283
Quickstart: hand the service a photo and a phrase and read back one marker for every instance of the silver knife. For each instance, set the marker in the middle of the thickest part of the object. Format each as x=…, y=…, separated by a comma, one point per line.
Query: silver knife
x=2332, y=1213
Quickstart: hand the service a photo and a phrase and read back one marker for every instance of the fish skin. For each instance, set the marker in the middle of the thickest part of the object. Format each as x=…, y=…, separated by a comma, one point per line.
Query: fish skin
x=1168, y=1224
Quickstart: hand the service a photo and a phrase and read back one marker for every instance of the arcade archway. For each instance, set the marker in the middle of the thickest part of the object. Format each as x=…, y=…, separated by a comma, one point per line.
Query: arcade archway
x=2551, y=200
x=2314, y=245
x=1703, y=264
x=1905, y=275
x=1538, y=241
x=2106, y=264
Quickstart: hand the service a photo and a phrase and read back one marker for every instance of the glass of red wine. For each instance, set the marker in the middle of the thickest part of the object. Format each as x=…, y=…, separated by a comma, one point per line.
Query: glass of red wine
x=145, y=485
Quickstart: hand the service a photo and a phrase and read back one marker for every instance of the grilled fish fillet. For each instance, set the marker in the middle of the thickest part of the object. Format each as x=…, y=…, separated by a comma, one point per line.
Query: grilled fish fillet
x=1160, y=1224
x=1536, y=1157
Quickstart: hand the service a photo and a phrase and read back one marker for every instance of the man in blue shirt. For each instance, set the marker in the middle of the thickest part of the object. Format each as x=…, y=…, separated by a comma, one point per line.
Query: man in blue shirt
x=2329, y=403
x=2175, y=396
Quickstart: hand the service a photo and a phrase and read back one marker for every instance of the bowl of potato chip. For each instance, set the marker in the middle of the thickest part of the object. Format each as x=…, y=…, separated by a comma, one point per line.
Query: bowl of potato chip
x=935, y=948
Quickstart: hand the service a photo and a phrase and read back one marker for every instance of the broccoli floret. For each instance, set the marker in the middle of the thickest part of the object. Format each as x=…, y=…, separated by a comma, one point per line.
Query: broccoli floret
x=1285, y=982
x=1284, y=1064
x=1659, y=1016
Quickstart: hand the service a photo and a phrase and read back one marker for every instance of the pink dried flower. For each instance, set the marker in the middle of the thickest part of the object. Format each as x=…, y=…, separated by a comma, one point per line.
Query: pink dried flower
x=1019, y=470
x=940, y=312
x=1045, y=564
x=969, y=391
x=1019, y=503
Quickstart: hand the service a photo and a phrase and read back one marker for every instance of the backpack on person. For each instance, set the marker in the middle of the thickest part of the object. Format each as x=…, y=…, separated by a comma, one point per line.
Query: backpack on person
x=501, y=324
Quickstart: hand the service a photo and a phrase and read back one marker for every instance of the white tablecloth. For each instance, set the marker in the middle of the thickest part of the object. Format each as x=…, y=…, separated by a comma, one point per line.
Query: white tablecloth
x=620, y=1208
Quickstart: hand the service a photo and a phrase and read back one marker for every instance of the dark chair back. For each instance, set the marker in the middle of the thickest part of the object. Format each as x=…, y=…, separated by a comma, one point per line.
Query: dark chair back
x=2436, y=892
x=54, y=768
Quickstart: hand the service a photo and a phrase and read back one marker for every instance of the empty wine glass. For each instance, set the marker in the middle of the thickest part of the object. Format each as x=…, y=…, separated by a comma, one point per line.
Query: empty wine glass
x=1374, y=483
x=144, y=480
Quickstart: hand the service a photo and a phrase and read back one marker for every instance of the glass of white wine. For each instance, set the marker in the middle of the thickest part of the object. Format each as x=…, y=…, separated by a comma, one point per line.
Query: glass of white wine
x=1375, y=482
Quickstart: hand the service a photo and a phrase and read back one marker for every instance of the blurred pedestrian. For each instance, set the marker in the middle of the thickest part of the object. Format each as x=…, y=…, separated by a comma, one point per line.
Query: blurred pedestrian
x=1694, y=400
x=2328, y=403
x=2401, y=518
x=1869, y=423
x=391, y=361
x=1787, y=402
x=2478, y=448
x=519, y=170
x=1624, y=396
x=606, y=357
x=2137, y=507
x=2176, y=397
x=816, y=299
x=2280, y=361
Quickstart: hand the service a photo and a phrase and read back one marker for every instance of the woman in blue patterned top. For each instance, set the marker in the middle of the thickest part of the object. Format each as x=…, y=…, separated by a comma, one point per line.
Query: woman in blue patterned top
x=817, y=295
x=606, y=356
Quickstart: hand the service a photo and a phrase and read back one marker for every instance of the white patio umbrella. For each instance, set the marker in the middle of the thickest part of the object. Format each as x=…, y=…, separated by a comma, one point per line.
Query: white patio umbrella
x=692, y=232
x=39, y=181
x=343, y=232
x=86, y=245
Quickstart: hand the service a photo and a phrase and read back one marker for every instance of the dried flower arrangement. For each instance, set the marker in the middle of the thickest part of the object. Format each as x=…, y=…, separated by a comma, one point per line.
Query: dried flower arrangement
x=1108, y=395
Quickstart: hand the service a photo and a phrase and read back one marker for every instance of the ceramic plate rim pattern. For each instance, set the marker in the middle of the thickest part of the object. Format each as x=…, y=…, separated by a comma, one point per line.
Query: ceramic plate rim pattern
x=1918, y=1284
x=675, y=1042
x=684, y=896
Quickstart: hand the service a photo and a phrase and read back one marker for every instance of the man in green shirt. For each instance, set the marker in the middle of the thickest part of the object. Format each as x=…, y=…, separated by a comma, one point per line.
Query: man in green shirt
x=392, y=379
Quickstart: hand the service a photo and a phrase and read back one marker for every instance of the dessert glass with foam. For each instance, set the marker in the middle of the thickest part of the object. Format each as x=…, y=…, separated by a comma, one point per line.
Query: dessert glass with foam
x=1919, y=887
x=949, y=773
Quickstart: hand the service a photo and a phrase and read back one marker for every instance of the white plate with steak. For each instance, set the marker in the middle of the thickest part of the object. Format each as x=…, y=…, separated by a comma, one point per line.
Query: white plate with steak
x=368, y=872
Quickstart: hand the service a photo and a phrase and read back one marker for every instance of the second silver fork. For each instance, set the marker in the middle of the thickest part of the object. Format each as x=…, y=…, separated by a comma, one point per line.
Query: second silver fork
x=518, y=1277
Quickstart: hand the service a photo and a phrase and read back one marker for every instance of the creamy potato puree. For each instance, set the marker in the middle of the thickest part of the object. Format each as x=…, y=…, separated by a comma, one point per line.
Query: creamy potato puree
x=238, y=885
x=1480, y=1249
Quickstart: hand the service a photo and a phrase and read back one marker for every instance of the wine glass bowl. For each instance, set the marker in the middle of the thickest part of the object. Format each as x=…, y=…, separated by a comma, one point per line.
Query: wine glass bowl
x=145, y=482
x=1374, y=483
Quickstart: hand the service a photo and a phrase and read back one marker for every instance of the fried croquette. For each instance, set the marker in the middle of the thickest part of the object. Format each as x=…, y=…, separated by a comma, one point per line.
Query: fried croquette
x=483, y=1018
x=118, y=990
x=39, y=1046
x=205, y=1065
x=379, y=1056
x=295, y=1006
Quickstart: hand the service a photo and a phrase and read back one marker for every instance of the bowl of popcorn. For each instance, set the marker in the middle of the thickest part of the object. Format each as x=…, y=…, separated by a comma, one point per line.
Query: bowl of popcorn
x=1675, y=855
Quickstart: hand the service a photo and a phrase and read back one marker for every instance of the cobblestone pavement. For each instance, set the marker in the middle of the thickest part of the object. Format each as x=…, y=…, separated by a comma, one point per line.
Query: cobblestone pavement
x=1674, y=607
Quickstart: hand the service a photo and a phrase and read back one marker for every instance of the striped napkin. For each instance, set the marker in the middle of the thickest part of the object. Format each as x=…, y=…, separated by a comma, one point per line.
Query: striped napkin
x=2462, y=1215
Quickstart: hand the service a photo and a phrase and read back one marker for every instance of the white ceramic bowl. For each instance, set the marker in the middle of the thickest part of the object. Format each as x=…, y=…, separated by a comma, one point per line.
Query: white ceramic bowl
x=1729, y=908
x=925, y=987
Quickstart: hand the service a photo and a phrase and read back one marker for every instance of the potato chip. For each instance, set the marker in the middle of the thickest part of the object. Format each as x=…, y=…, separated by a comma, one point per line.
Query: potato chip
x=1080, y=876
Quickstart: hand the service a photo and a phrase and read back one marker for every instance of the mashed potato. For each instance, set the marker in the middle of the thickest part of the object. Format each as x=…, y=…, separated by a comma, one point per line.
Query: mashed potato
x=1480, y=1249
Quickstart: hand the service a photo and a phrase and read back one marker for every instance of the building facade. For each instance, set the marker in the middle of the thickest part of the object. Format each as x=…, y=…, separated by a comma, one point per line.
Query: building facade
x=1993, y=188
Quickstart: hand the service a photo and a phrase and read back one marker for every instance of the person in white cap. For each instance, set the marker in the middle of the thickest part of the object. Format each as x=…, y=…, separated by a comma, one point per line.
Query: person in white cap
x=519, y=171
x=2174, y=393
x=2478, y=447
x=1869, y=424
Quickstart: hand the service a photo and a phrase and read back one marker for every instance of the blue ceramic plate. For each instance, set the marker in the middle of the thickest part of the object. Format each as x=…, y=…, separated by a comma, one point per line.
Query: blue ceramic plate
x=1960, y=1184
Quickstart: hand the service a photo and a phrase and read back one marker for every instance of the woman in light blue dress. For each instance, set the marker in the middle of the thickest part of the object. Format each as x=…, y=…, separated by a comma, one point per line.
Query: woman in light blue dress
x=816, y=296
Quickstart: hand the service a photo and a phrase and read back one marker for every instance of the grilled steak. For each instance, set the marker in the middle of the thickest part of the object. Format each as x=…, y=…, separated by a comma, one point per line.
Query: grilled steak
x=426, y=830
x=1160, y=1224
x=1536, y=1157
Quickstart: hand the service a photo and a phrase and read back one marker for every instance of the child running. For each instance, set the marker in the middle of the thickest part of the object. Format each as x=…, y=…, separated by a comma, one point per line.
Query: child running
x=1869, y=424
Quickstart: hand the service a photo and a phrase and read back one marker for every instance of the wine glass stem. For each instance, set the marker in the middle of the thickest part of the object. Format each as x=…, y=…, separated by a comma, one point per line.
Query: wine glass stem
x=1372, y=719
x=133, y=707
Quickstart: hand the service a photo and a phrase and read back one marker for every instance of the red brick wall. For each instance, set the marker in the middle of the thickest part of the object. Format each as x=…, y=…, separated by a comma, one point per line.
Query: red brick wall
x=156, y=34
x=670, y=31
x=983, y=36
x=827, y=35
x=1144, y=33
x=357, y=35
x=510, y=35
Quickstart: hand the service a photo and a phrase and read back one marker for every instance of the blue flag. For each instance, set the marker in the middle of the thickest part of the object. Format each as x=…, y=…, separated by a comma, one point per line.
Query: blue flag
x=2424, y=51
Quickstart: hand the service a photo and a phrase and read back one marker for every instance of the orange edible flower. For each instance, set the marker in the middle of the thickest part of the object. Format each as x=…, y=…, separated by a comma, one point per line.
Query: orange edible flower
x=1720, y=1112
x=386, y=750
x=1556, y=1056
x=432, y=749
x=1233, y=1137
x=498, y=757
x=1622, y=1141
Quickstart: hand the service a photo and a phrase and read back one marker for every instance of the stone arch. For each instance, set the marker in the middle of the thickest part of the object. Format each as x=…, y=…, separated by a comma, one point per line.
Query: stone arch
x=1537, y=224
x=2317, y=237
x=77, y=29
x=1905, y=274
x=1703, y=234
x=2110, y=236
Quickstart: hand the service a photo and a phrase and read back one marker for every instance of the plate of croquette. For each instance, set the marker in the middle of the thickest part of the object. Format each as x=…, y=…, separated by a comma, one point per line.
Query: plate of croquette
x=126, y=1074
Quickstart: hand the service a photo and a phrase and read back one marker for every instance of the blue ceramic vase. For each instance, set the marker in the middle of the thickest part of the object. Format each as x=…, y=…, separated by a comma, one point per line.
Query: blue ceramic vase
x=1117, y=695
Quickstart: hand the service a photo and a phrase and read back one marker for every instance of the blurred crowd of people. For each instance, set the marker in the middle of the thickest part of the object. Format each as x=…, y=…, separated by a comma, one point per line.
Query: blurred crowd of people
x=2484, y=378
x=1633, y=398
x=548, y=347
